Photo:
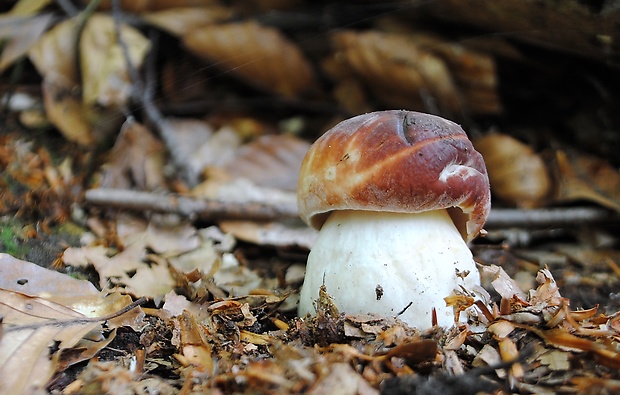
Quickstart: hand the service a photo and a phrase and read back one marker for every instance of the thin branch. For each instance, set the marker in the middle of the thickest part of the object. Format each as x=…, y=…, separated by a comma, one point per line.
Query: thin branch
x=189, y=207
x=213, y=209
x=549, y=217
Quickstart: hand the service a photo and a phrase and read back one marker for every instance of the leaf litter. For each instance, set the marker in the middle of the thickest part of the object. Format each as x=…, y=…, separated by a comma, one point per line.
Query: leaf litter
x=219, y=315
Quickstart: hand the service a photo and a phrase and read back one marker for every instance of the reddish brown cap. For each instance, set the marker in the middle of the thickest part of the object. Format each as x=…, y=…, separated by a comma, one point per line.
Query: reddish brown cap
x=396, y=161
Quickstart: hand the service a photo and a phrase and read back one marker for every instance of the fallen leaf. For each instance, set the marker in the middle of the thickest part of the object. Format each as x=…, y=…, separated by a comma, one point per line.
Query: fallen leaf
x=53, y=56
x=585, y=177
x=195, y=348
x=503, y=284
x=136, y=160
x=555, y=359
x=182, y=20
x=341, y=379
x=31, y=327
x=27, y=278
x=271, y=233
x=105, y=76
x=257, y=54
x=517, y=174
x=19, y=34
x=270, y=161
x=397, y=69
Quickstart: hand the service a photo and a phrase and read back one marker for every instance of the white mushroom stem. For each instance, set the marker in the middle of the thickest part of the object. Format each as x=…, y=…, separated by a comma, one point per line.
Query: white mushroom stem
x=381, y=262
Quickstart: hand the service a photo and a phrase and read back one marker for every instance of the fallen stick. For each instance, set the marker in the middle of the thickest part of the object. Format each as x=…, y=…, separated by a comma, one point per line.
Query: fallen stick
x=187, y=206
x=220, y=210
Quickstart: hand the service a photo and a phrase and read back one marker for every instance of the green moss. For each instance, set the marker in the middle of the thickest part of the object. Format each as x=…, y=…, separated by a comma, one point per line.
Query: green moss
x=43, y=249
x=9, y=240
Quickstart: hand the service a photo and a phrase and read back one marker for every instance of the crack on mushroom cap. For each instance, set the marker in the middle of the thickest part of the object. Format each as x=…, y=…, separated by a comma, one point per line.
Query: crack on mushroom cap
x=398, y=161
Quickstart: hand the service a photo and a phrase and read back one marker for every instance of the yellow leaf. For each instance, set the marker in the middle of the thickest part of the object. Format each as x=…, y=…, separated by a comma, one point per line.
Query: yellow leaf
x=254, y=338
x=105, y=77
x=28, y=7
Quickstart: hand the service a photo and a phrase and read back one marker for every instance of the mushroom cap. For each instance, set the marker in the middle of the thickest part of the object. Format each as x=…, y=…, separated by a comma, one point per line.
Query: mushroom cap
x=395, y=161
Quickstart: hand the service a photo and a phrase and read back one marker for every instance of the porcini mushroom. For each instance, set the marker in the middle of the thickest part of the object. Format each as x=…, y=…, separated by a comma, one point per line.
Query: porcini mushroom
x=396, y=196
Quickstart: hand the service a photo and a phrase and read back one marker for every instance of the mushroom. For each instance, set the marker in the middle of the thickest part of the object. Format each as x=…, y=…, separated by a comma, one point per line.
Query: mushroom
x=396, y=195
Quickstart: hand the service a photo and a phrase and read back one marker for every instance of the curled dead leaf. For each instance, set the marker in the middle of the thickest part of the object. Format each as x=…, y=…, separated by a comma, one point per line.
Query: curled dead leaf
x=517, y=174
x=397, y=69
x=181, y=20
x=585, y=177
x=257, y=54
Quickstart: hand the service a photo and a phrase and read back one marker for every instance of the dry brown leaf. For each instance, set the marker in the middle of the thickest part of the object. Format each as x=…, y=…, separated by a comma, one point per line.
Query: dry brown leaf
x=166, y=238
x=508, y=351
x=109, y=268
x=195, y=146
x=342, y=380
x=585, y=177
x=271, y=233
x=501, y=281
x=30, y=327
x=180, y=244
x=517, y=174
x=73, y=118
x=272, y=161
x=105, y=78
x=606, y=354
x=25, y=277
x=487, y=356
x=397, y=69
x=175, y=305
x=112, y=378
x=53, y=56
x=180, y=21
x=150, y=281
x=136, y=160
x=260, y=55
x=78, y=295
x=195, y=348
x=555, y=359
x=19, y=34
x=473, y=71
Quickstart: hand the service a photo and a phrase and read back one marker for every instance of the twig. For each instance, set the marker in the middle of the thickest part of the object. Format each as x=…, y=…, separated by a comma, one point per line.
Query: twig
x=190, y=207
x=542, y=218
x=82, y=19
x=213, y=209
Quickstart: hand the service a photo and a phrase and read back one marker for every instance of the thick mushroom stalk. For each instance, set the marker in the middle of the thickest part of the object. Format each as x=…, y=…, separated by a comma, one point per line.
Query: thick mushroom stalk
x=395, y=264
x=396, y=196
